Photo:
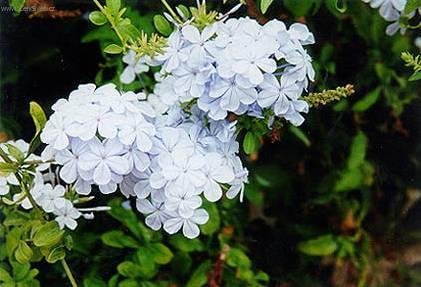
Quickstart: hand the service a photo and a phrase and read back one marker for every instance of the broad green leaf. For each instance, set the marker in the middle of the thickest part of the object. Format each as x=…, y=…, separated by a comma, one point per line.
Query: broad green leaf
x=237, y=258
x=349, y=179
x=160, y=253
x=38, y=116
x=98, y=18
x=47, y=235
x=264, y=5
x=23, y=252
x=113, y=49
x=118, y=239
x=415, y=76
x=199, y=277
x=181, y=263
x=56, y=254
x=251, y=143
x=320, y=246
x=366, y=102
x=128, y=269
x=20, y=271
x=17, y=5
x=146, y=263
x=12, y=240
x=16, y=218
x=162, y=25
x=298, y=8
x=358, y=151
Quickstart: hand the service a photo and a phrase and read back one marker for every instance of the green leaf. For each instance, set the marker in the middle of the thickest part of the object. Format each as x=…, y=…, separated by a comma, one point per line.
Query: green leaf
x=118, y=239
x=160, y=253
x=415, y=76
x=47, y=235
x=186, y=245
x=369, y=100
x=181, y=263
x=114, y=6
x=184, y=10
x=264, y=5
x=162, y=25
x=56, y=254
x=38, y=116
x=23, y=252
x=128, y=30
x=199, y=277
x=237, y=258
x=358, y=151
x=349, y=179
x=251, y=143
x=5, y=276
x=128, y=269
x=98, y=18
x=8, y=167
x=300, y=135
x=214, y=222
x=16, y=218
x=20, y=271
x=12, y=240
x=146, y=264
x=298, y=8
x=411, y=5
x=113, y=49
x=320, y=246
x=15, y=152
x=17, y=5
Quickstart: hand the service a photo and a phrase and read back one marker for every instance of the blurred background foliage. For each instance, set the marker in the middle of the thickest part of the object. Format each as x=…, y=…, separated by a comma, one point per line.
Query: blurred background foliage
x=332, y=203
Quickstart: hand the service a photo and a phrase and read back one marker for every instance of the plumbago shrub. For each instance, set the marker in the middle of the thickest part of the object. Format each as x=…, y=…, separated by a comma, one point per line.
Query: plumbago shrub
x=163, y=151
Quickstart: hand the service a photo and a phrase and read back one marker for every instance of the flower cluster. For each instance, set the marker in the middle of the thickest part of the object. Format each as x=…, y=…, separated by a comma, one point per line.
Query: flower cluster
x=391, y=11
x=102, y=137
x=236, y=66
x=45, y=190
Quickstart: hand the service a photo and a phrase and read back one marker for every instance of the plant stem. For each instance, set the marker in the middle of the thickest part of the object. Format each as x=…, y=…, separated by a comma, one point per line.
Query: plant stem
x=68, y=272
x=173, y=14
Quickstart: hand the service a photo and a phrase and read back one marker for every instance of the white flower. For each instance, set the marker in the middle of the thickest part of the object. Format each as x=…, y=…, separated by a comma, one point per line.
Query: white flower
x=136, y=128
x=157, y=215
x=199, y=41
x=175, y=53
x=249, y=63
x=182, y=200
x=67, y=215
x=4, y=187
x=104, y=159
x=69, y=158
x=216, y=173
x=53, y=198
x=189, y=225
x=54, y=132
x=135, y=66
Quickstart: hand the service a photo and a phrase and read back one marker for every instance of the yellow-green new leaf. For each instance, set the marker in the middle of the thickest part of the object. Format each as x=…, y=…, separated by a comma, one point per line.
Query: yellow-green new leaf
x=38, y=116
x=23, y=252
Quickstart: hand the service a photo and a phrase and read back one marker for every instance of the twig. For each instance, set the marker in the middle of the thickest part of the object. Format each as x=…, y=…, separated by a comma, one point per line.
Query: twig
x=68, y=272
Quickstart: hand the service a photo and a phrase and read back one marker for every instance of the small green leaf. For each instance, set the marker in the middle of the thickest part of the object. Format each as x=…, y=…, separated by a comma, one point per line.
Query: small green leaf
x=199, y=277
x=118, y=239
x=358, y=151
x=47, y=235
x=20, y=270
x=412, y=5
x=15, y=152
x=349, y=180
x=186, y=245
x=369, y=100
x=38, y=116
x=264, y=5
x=6, y=168
x=251, y=143
x=56, y=254
x=113, y=49
x=320, y=246
x=298, y=8
x=300, y=135
x=5, y=276
x=23, y=252
x=162, y=25
x=114, y=6
x=17, y=5
x=128, y=269
x=128, y=30
x=184, y=10
x=415, y=76
x=160, y=253
x=214, y=222
x=98, y=18
x=237, y=258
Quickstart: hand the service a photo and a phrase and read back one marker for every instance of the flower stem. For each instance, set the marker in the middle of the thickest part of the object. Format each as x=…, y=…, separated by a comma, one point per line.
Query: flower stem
x=68, y=272
x=175, y=16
